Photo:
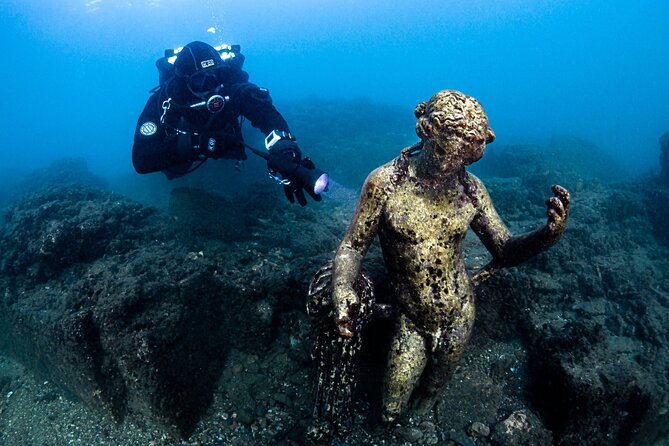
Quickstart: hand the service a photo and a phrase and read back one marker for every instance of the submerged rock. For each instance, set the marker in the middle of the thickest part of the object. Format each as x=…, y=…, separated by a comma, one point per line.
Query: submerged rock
x=478, y=430
x=664, y=158
x=657, y=205
x=133, y=311
x=590, y=317
x=207, y=214
x=61, y=172
x=99, y=297
x=65, y=225
x=521, y=428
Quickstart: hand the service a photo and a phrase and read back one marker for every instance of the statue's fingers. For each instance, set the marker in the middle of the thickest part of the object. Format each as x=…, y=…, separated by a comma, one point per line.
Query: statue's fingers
x=553, y=215
x=552, y=226
x=562, y=194
x=555, y=204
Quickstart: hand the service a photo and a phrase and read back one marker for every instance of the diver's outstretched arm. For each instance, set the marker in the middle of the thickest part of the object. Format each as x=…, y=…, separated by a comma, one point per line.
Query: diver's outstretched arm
x=348, y=260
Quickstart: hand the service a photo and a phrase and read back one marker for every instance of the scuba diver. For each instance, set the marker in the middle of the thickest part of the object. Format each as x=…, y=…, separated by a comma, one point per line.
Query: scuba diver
x=196, y=113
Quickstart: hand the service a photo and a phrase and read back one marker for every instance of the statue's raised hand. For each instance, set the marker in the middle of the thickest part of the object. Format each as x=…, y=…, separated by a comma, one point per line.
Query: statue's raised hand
x=558, y=212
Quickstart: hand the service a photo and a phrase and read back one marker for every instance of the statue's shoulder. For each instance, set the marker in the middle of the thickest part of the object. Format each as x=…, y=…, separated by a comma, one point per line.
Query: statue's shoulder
x=388, y=176
x=474, y=180
x=380, y=182
x=475, y=189
x=379, y=178
x=398, y=168
x=383, y=172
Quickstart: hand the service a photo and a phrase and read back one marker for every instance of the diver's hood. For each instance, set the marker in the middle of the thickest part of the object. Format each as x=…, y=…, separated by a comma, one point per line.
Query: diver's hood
x=195, y=57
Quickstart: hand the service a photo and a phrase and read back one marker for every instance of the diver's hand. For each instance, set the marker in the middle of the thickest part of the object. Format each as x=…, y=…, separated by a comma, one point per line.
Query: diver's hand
x=346, y=300
x=285, y=159
x=558, y=212
x=284, y=148
x=296, y=188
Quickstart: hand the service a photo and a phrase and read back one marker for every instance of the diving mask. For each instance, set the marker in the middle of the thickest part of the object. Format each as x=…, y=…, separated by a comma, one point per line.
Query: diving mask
x=204, y=81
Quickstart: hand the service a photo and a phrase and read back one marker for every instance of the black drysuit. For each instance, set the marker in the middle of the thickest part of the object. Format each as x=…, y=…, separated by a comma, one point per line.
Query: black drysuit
x=164, y=137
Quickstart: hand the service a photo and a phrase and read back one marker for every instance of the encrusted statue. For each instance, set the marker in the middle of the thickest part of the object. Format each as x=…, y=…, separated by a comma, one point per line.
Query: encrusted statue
x=421, y=205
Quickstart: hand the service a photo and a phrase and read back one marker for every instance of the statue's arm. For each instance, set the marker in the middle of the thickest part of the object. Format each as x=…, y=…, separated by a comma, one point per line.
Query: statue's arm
x=508, y=250
x=348, y=259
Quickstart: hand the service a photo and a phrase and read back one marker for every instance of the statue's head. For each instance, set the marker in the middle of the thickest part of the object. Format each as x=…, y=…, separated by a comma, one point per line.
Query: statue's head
x=454, y=128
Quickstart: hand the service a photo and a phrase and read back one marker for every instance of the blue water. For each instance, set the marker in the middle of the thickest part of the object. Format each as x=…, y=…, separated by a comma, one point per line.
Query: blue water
x=75, y=74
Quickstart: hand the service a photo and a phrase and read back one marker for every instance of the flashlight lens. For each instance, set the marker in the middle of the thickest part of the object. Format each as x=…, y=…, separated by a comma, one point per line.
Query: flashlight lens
x=321, y=183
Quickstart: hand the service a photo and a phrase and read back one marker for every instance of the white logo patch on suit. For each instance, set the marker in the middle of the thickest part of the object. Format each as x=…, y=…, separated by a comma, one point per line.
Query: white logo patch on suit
x=148, y=128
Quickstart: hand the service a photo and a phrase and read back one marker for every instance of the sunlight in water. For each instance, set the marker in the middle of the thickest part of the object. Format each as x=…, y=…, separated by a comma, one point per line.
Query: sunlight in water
x=97, y=5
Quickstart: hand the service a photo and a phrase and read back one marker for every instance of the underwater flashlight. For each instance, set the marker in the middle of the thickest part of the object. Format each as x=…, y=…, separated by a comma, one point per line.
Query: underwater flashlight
x=304, y=173
x=314, y=180
x=321, y=184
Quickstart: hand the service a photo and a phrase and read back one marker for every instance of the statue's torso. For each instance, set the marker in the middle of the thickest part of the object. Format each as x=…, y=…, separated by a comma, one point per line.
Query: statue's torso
x=421, y=236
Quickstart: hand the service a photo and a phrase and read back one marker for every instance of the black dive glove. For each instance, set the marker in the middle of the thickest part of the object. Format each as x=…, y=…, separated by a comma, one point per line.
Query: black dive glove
x=297, y=175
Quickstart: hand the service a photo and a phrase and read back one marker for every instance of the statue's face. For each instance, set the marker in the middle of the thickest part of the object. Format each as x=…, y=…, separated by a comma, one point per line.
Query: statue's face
x=453, y=152
x=454, y=129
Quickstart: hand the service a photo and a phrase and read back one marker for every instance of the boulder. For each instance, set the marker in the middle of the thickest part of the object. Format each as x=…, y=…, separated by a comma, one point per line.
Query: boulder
x=99, y=296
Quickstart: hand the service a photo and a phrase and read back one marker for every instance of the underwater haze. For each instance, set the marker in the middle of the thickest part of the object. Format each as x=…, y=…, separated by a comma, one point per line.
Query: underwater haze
x=76, y=73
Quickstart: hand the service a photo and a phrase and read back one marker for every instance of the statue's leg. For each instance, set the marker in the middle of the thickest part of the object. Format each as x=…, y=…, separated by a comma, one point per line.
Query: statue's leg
x=406, y=361
x=447, y=352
